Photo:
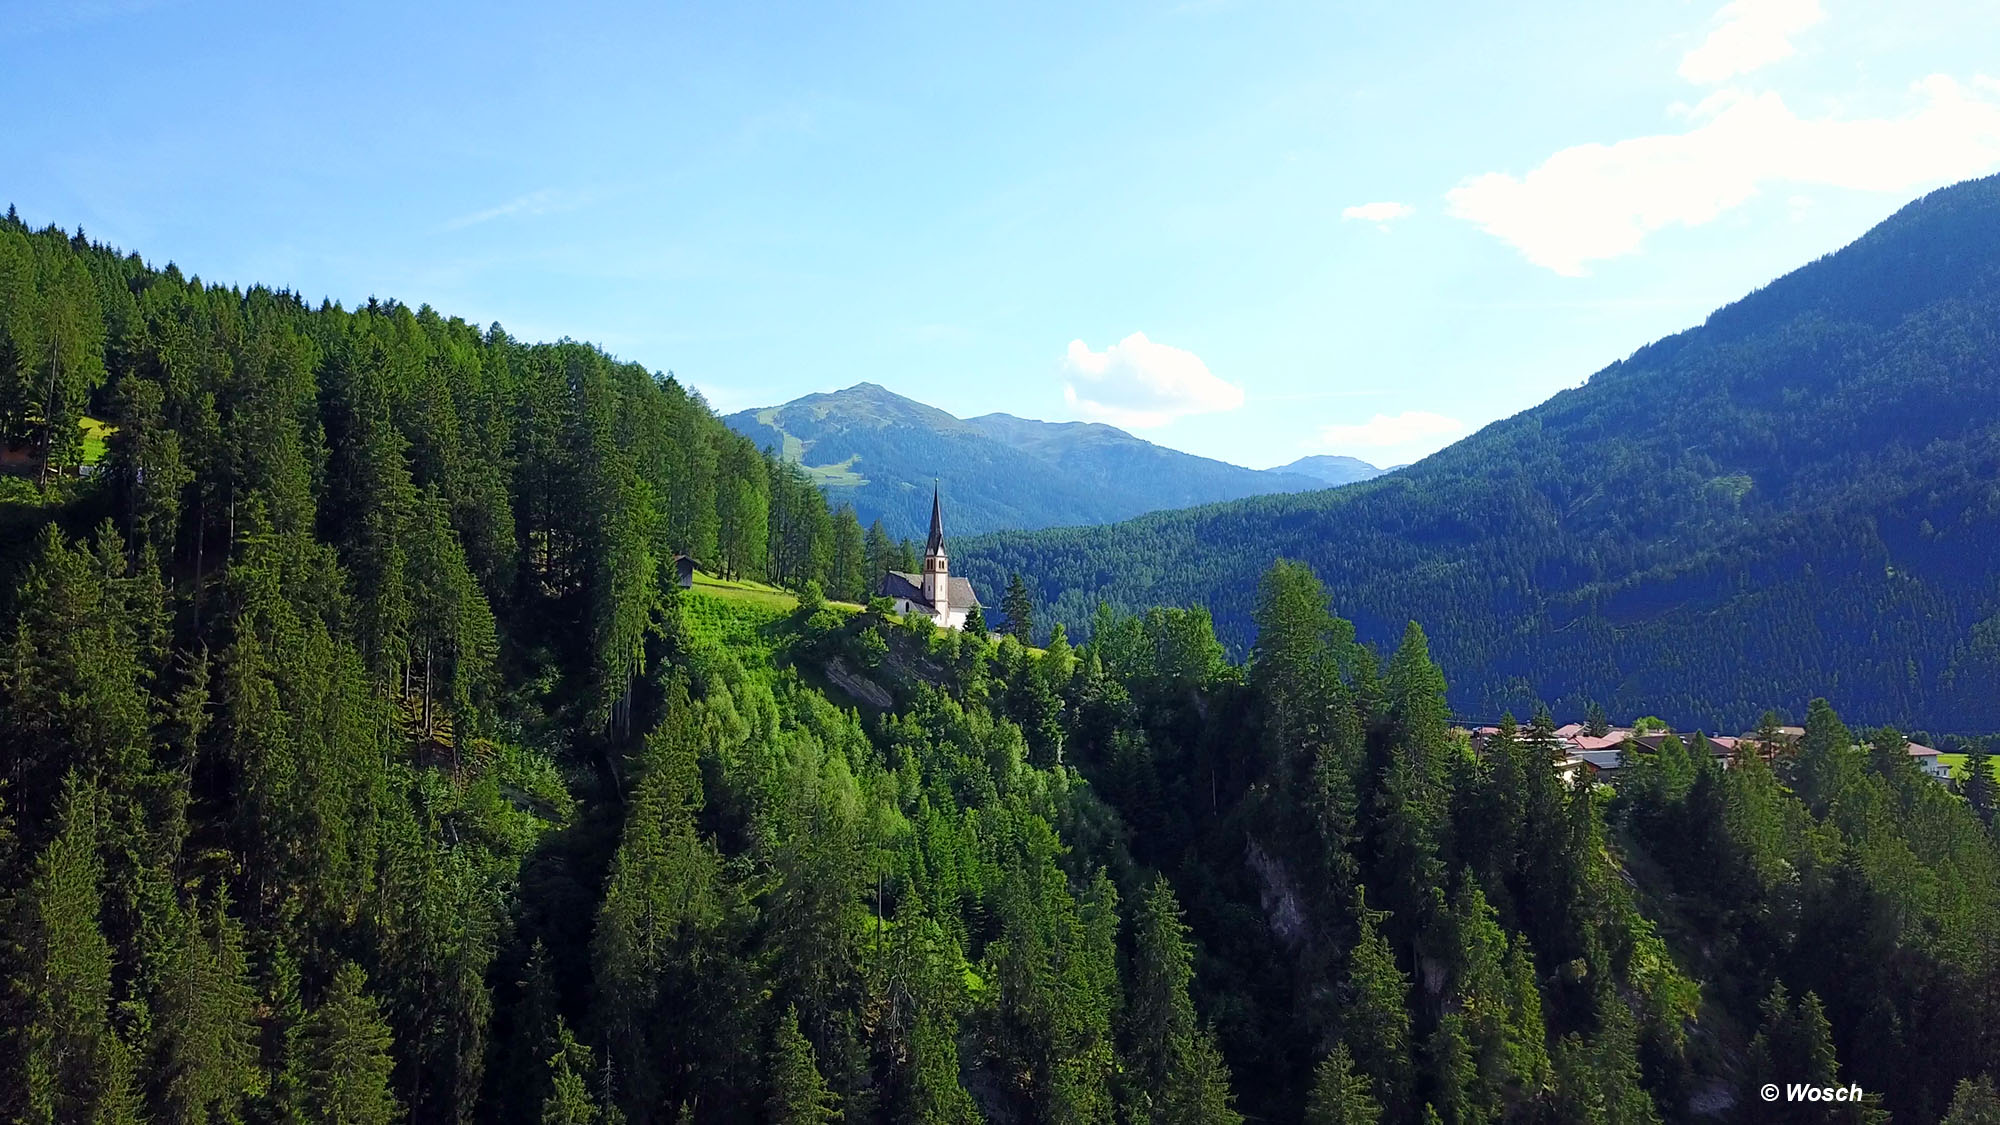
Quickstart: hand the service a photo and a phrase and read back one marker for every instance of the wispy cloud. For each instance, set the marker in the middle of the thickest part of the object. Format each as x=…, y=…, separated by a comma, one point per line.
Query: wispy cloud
x=1140, y=384
x=1321, y=396
x=1410, y=429
x=543, y=202
x=1593, y=202
x=1749, y=35
x=1381, y=213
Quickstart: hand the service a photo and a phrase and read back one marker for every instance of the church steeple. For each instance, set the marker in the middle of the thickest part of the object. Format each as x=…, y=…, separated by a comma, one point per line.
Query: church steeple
x=935, y=544
x=937, y=568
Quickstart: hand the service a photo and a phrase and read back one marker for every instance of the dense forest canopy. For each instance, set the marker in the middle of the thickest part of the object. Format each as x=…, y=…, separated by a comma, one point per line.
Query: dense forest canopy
x=1800, y=496
x=364, y=762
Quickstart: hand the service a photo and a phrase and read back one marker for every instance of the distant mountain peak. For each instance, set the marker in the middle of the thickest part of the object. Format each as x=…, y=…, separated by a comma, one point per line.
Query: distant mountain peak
x=1332, y=468
x=876, y=449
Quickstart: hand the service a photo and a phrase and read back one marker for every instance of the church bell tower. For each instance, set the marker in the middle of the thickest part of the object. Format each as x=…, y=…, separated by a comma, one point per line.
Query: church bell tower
x=937, y=569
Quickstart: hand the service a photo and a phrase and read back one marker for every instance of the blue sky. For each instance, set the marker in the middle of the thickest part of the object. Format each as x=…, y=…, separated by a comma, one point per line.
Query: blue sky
x=1250, y=230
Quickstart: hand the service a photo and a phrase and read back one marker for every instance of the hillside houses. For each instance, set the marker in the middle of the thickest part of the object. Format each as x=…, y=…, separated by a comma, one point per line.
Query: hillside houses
x=1602, y=755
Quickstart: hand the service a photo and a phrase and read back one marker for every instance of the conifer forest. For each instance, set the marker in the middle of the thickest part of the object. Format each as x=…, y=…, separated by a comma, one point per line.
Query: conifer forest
x=362, y=760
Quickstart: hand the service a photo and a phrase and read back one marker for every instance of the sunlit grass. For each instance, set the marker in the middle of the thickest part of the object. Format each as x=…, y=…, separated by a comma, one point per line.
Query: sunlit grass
x=95, y=434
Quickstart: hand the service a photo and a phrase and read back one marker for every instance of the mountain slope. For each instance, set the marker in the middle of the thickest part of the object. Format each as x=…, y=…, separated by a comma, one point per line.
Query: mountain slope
x=880, y=451
x=1802, y=491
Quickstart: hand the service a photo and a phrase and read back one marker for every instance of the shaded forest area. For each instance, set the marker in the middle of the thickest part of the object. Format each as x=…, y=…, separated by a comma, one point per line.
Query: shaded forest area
x=365, y=764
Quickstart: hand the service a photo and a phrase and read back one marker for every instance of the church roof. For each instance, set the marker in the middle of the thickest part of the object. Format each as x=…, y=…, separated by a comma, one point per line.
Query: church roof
x=901, y=584
x=935, y=544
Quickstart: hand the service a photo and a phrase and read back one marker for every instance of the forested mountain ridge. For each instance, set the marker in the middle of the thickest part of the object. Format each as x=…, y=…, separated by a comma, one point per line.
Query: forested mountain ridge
x=1799, y=495
x=365, y=763
x=880, y=452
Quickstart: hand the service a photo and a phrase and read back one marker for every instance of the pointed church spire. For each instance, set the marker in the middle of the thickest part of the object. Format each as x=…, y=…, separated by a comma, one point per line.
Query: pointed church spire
x=935, y=544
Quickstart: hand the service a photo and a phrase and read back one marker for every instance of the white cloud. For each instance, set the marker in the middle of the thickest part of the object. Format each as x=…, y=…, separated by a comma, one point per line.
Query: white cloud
x=1597, y=201
x=1411, y=428
x=541, y=202
x=1138, y=383
x=1379, y=212
x=1749, y=35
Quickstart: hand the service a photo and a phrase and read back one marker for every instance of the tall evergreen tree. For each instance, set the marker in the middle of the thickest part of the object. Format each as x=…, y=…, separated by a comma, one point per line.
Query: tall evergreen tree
x=848, y=576
x=1174, y=1072
x=345, y=1059
x=73, y=1066
x=798, y=1094
x=1375, y=1016
x=1974, y=1103
x=1341, y=1095
x=569, y=1101
x=1978, y=785
x=1020, y=609
x=204, y=1018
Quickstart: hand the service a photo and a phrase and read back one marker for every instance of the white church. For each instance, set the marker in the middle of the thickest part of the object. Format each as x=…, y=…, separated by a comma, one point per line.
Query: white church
x=946, y=600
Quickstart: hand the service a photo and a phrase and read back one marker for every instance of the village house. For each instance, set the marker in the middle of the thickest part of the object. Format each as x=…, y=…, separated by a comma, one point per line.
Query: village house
x=1579, y=751
x=1929, y=760
x=933, y=593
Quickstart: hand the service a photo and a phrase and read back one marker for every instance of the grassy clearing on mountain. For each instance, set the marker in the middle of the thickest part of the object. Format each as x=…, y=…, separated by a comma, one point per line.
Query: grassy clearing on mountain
x=95, y=434
x=841, y=475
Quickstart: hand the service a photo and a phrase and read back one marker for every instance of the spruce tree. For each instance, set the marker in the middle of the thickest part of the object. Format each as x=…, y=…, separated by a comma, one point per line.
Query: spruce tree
x=1020, y=609
x=1974, y=1103
x=569, y=1101
x=1341, y=1094
x=205, y=1018
x=1176, y=1075
x=1978, y=786
x=74, y=1067
x=1417, y=694
x=798, y=1095
x=345, y=1060
x=848, y=576
x=1594, y=721
x=879, y=552
x=1375, y=1015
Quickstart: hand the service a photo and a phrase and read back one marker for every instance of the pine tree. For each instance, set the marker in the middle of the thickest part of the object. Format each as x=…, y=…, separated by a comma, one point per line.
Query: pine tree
x=659, y=900
x=848, y=576
x=975, y=623
x=74, y=1066
x=1453, y=1074
x=1417, y=695
x=1978, y=785
x=1974, y=1103
x=71, y=682
x=345, y=1062
x=1341, y=1095
x=1828, y=763
x=1020, y=609
x=1175, y=1073
x=1375, y=1014
x=205, y=1018
x=61, y=357
x=880, y=552
x=798, y=1095
x=569, y=1101
x=1594, y=721
x=926, y=990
